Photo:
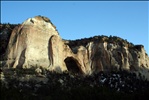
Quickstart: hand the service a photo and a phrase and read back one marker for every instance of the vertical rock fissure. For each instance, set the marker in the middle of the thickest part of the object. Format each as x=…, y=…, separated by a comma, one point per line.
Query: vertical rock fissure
x=50, y=52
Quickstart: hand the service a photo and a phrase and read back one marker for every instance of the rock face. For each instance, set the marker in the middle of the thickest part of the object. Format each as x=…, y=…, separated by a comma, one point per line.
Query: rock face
x=36, y=43
x=5, y=30
x=30, y=43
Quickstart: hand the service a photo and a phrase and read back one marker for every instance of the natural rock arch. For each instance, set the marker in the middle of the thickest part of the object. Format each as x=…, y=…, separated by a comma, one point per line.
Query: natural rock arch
x=73, y=65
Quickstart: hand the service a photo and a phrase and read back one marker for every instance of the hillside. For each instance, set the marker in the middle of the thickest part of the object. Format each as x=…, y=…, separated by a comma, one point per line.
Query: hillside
x=36, y=63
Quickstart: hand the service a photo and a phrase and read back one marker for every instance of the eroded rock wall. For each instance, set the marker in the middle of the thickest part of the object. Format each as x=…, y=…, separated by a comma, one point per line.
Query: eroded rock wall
x=36, y=43
x=96, y=56
x=29, y=44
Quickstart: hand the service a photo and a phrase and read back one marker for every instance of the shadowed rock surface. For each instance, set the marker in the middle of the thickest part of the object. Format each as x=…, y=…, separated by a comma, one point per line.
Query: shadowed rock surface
x=36, y=63
x=36, y=43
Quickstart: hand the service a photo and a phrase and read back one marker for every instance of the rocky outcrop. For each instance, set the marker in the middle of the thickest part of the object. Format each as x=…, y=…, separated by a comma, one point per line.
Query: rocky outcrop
x=96, y=57
x=29, y=44
x=36, y=43
x=5, y=32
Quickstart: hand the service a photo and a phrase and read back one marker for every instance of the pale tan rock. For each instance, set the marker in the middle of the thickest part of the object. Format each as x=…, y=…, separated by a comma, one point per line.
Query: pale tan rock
x=29, y=44
x=36, y=43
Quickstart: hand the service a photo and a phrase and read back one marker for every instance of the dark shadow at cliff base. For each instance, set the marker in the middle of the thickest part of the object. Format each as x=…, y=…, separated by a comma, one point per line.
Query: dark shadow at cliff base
x=72, y=65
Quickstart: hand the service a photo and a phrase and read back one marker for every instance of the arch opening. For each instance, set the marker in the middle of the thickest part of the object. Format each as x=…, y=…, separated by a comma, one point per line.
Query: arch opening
x=72, y=65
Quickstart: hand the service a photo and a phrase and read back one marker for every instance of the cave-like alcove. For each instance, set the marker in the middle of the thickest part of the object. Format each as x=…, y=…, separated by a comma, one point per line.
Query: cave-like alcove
x=72, y=65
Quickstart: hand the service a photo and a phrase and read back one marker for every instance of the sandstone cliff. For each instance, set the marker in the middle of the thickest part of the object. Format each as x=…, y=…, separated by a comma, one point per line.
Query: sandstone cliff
x=36, y=43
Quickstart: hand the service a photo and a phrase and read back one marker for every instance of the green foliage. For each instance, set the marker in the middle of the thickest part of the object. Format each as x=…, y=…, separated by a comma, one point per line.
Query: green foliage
x=5, y=32
x=100, y=39
x=77, y=88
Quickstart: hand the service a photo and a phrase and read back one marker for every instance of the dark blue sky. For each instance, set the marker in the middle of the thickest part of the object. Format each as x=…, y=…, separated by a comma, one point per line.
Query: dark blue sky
x=74, y=20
